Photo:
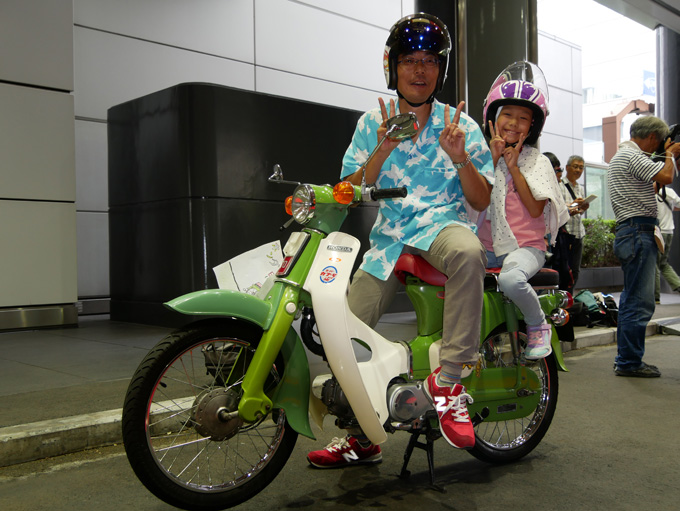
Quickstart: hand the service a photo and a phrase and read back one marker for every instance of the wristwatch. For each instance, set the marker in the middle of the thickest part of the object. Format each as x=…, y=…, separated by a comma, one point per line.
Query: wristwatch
x=462, y=164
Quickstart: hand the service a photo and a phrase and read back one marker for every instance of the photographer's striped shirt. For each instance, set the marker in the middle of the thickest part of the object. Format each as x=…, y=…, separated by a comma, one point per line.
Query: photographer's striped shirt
x=630, y=182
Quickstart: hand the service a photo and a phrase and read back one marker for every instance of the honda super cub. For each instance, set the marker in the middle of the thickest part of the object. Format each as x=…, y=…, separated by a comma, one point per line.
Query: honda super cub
x=213, y=412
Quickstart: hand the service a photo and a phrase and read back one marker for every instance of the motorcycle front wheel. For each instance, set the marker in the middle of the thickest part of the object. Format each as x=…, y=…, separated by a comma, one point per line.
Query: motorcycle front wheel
x=178, y=438
x=510, y=440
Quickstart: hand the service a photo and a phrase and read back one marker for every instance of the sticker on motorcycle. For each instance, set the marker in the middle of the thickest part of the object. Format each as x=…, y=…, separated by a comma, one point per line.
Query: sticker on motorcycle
x=328, y=274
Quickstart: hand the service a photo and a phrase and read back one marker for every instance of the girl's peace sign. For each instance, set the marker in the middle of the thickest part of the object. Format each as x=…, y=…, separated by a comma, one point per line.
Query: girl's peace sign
x=499, y=147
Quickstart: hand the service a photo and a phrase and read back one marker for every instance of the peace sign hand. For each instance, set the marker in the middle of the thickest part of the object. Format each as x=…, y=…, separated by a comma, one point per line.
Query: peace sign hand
x=389, y=144
x=496, y=144
x=452, y=138
x=511, y=154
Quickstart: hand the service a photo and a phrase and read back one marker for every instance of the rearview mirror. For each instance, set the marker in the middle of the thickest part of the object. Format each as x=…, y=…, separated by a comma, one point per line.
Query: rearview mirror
x=402, y=126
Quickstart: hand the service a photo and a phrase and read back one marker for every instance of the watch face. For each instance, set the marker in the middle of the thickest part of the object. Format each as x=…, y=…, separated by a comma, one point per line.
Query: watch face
x=462, y=163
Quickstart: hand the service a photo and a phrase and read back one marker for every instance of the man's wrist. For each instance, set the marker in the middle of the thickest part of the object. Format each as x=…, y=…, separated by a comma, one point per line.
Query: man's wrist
x=464, y=163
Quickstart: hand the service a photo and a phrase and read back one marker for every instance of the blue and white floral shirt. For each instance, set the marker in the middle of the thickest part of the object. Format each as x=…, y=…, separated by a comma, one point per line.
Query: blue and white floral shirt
x=435, y=195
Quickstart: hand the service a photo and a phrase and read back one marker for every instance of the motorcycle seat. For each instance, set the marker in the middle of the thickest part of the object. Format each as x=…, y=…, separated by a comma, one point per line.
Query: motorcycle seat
x=546, y=278
x=411, y=264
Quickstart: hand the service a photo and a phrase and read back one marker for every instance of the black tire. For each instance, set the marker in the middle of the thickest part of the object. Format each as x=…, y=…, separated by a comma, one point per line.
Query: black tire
x=507, y=441
x=175, y=442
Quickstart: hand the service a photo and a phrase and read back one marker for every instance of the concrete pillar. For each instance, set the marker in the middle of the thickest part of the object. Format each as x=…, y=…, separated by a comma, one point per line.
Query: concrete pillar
x=668, y=105
x=476, y=29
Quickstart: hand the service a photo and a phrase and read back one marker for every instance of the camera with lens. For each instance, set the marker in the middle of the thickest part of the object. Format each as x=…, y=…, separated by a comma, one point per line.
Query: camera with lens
x=674, y=135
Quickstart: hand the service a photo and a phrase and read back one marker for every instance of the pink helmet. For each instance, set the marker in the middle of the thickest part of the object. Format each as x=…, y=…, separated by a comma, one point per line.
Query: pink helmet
x=523, y=84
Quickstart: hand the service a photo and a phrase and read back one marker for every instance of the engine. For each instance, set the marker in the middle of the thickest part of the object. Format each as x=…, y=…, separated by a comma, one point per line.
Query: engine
x=406, y=402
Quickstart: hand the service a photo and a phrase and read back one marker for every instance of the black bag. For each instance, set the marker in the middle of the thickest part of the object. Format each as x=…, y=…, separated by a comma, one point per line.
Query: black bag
x=578, y=314
x=610, y=309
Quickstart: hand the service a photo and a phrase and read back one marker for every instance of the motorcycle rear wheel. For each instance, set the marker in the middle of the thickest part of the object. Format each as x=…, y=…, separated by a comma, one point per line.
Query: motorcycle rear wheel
x=508, y=441
x=177, y=439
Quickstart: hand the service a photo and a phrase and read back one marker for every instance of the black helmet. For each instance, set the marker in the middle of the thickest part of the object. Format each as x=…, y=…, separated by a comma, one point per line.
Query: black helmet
x=417, y=32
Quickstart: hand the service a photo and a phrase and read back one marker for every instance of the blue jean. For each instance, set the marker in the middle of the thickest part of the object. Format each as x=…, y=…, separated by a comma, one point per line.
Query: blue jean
x=635, y=248
x=517, y=267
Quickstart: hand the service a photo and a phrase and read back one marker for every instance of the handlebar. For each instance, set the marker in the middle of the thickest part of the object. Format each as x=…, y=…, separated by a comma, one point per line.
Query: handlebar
x=389, y=193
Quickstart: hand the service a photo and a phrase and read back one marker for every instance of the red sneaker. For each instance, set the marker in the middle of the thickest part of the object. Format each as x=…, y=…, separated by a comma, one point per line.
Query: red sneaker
x=451, y=406
x=342, y=452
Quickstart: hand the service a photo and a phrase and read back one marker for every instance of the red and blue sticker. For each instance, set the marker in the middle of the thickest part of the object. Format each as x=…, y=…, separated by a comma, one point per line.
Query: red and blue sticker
x=328, y=274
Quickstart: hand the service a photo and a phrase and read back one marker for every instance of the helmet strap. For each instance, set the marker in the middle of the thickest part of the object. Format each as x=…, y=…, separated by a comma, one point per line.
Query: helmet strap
x=416, y=105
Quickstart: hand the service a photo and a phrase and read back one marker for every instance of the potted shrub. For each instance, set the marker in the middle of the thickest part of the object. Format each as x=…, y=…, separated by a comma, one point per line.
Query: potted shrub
x=600, y=269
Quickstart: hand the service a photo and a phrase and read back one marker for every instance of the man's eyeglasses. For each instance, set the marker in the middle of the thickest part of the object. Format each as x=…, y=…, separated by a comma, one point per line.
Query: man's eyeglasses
x=410, y=62
x=558, y=170
x=577, y=167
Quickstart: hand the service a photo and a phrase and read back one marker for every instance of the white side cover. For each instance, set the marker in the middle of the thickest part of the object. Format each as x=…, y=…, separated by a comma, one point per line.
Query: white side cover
x=364, y=383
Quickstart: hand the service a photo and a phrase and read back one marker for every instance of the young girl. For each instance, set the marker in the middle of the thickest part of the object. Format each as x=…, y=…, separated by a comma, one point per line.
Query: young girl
x=526, y=203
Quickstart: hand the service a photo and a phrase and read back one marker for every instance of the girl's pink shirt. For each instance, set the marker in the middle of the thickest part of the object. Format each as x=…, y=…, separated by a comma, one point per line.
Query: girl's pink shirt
x=528, y=231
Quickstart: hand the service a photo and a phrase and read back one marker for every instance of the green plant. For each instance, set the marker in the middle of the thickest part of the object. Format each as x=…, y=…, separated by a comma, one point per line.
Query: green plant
x=598, y=243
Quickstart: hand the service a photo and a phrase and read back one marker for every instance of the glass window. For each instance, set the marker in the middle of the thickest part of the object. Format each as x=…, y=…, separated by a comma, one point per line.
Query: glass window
x=596, y=184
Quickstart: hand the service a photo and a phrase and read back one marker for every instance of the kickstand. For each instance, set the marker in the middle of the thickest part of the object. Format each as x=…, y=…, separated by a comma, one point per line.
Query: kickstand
x=431, y=436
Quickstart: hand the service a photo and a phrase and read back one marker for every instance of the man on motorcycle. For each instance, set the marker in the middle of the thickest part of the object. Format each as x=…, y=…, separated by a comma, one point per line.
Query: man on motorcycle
x=448, y=170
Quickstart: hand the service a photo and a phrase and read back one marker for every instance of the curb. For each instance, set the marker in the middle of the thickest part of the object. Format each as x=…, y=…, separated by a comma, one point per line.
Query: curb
x=38, y=440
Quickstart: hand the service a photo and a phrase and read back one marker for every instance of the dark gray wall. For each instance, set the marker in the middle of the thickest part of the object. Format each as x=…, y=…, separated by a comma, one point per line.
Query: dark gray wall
x=188, y=189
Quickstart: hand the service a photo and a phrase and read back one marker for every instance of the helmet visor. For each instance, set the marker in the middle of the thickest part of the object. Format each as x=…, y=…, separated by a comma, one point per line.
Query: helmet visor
x=526, y=72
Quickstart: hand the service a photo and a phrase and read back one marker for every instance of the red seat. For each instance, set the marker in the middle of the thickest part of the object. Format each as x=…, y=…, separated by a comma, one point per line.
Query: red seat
x=410, y=264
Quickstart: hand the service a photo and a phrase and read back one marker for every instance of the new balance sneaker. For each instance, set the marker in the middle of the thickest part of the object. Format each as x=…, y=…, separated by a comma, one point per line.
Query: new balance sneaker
x=342, y=452
x=451, y=406
x=538, y=341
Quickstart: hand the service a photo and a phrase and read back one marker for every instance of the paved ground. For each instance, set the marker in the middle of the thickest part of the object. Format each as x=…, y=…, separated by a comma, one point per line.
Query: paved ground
x=62, y=390
x=611, y=445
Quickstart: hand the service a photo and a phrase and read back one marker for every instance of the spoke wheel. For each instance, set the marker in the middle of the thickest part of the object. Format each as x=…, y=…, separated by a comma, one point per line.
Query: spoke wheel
x=180, y=435
x=506, y=441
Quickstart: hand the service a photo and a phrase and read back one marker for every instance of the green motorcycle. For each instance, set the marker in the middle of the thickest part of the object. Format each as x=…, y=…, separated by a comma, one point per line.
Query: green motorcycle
x=213, y=411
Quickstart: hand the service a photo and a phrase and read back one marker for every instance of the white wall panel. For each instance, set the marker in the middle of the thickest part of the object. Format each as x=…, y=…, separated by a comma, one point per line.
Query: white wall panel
x=577, y=112
x=381, y=13
x=36, y=42
x=319, y=44
x=555, y=59
x=216, y=27
x=36, y=144
x=294, y=86
x=576, y=71
x=91, y=166
x=39, y=253
x=110, y=70
x=560, y=119
x=562, y=147
x=93, y=254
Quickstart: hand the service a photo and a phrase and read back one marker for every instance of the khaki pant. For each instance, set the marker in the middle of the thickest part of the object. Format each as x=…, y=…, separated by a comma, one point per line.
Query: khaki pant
x=458, y=253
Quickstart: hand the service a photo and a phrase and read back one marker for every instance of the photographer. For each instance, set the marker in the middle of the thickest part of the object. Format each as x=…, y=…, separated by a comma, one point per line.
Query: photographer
x=630, y=182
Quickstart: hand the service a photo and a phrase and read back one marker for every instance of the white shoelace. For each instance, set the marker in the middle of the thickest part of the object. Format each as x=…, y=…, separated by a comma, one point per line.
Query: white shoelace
x=457, y=403
x=337, y=444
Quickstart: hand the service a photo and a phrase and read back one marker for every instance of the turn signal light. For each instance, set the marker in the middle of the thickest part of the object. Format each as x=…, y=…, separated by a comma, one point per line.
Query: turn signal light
x=343, y=192
x=289, y=205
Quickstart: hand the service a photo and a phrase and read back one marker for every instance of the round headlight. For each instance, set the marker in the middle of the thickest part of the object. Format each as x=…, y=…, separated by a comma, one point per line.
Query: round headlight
x=303, y=204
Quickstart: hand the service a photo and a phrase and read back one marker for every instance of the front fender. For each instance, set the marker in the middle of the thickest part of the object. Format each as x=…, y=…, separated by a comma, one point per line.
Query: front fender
x=225, y=302
x=293, y=392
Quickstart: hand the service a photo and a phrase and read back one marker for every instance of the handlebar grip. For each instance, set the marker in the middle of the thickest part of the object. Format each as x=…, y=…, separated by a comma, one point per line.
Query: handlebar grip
x=389, y=193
